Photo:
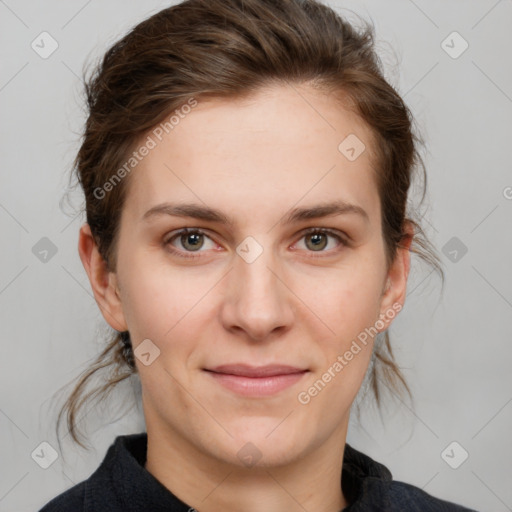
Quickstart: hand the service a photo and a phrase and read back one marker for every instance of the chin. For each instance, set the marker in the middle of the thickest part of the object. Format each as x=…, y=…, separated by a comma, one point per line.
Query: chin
x=268, y=444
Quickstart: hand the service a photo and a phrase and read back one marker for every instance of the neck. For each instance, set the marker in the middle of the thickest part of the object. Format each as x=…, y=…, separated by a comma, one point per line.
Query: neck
x=206, y=483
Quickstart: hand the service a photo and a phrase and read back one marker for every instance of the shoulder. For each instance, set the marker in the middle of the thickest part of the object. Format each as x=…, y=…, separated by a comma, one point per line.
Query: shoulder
x=71, y=500
x=406, y=497
x=105, y=484
x=369, y=486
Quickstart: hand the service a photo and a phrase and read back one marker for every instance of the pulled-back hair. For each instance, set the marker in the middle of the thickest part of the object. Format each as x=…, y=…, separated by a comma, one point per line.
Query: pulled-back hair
x=202, y=49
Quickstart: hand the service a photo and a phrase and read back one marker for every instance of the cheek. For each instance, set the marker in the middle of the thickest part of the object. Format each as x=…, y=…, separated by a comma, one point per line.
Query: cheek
x=346, y=301
x=166, y=306
x=152, y=300
x=349, y=308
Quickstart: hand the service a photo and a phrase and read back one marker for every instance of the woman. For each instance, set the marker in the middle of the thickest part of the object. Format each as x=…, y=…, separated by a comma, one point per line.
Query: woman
x=246, y=170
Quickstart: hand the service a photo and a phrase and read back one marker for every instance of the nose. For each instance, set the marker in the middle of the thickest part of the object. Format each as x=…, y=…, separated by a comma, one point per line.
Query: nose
x=258, y=300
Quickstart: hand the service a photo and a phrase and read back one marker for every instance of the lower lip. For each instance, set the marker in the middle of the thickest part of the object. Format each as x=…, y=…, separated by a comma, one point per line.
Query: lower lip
x=257, y=386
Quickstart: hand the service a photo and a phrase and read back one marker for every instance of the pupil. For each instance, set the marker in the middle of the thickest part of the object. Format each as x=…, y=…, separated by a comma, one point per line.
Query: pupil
x=317, y=239
x=192, y=239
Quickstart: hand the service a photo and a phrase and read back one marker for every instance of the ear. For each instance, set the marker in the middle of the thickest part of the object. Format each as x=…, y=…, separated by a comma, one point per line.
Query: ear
x=394, y=291
x=103, y=282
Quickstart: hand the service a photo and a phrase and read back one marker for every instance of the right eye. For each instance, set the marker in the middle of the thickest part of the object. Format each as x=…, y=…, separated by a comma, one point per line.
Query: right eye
x=191, y=239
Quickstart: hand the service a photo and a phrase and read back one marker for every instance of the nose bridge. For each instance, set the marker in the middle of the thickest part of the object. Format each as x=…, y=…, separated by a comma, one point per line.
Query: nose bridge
x=257, y=299
x=253, y=269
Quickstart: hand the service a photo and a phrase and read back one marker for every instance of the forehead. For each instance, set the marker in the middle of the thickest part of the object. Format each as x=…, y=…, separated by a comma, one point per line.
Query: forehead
x=284, y=146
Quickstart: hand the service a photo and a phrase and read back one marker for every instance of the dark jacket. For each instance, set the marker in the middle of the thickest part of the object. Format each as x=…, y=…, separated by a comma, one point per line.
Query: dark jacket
x=122, y=484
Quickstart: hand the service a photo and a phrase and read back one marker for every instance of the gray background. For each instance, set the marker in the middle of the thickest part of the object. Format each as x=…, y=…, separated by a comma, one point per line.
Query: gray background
x=455, y=348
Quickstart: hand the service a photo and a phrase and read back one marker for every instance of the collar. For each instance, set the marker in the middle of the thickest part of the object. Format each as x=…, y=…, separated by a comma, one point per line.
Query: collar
x=122, y=479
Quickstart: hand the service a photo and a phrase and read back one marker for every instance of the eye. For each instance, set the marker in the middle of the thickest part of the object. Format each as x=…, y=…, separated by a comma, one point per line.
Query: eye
x=192, y=240
x=317, y=239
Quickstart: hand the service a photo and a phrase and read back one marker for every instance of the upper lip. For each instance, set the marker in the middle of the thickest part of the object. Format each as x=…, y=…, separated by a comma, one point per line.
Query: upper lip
x=246, y=370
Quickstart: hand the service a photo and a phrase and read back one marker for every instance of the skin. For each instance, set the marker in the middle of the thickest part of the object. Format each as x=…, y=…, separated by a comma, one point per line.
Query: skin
x=254, y=159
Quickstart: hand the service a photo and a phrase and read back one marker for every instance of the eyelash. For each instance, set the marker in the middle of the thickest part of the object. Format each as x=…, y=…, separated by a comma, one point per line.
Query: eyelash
x=310, y=231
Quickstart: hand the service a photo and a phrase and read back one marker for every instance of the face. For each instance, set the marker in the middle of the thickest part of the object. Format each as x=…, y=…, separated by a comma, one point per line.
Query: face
x=250, y=285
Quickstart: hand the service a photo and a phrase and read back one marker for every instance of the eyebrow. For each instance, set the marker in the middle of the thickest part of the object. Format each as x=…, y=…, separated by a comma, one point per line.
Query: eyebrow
x=205, y=213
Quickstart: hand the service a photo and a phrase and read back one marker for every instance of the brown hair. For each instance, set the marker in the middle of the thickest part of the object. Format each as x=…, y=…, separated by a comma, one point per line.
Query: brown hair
x=228, y=48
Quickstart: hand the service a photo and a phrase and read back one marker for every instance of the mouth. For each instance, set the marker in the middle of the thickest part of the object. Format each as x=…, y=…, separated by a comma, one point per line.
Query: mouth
x=256, y=381
x=245, y=370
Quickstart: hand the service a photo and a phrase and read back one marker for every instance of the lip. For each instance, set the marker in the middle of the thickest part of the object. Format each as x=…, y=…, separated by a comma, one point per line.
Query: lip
x=245, y=370
x=256, y=381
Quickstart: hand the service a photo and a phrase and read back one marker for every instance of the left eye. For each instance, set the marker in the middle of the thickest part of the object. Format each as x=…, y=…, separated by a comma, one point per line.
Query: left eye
x=192, y=240
x=319, y=238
